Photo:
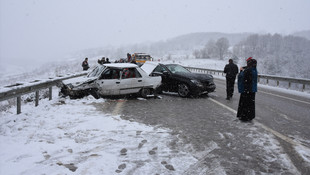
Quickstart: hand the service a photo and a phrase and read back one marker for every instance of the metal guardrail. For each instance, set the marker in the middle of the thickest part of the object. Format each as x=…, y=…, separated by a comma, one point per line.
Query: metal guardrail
x=278, y=79
x=19, y=89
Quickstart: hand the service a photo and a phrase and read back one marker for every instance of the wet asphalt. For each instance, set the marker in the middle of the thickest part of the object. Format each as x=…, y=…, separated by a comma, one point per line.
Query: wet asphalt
x=208, y=128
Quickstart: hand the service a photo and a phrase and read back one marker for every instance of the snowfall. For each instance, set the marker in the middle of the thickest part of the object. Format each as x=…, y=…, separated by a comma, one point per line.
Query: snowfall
x=65, y=136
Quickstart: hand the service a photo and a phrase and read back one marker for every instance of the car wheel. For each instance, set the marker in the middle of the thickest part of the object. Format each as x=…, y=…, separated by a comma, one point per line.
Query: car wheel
x=145, y=92
x=64, y=91
x=159, y=90
x=183, y=90
x=94, y=93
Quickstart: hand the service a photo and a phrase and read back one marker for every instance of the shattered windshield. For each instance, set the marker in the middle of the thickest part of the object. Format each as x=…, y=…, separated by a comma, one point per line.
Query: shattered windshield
x=96, y=72
x=174, y=68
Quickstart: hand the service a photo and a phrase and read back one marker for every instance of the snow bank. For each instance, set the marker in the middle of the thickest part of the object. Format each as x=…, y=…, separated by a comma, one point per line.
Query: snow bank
x=66, y=136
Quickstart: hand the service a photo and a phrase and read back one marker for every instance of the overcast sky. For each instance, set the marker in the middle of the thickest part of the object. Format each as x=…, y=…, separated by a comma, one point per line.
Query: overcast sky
x=47, y=29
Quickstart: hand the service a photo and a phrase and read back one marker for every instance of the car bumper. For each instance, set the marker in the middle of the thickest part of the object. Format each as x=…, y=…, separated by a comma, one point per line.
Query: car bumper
x=203, y=90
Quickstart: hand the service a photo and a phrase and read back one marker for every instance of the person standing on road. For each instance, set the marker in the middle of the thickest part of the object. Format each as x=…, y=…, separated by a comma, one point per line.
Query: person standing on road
x=247, y=86
x=85, y=64
x=128, y=58
x=231, y=71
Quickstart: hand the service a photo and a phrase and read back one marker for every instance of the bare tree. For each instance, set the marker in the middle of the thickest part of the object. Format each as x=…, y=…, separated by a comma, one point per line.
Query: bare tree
x=277, y=54
x=197, y=53
x=211, y=48
x=222, y=45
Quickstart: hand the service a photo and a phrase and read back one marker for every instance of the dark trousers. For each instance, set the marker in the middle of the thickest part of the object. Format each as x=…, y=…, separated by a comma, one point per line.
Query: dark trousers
x=246, y=108
x=230, y=84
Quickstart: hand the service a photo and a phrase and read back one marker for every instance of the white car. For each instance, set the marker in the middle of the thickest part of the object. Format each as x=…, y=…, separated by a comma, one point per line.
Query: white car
x=111, y=80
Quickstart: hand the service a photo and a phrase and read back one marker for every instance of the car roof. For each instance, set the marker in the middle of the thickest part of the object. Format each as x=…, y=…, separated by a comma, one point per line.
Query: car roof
x=121, y=65
x=141, y=54
x=172, y=64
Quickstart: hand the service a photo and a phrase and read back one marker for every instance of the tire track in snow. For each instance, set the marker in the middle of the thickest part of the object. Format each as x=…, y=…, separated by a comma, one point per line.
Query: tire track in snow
x=118, y=108
x=279, y=135
x=276, y=133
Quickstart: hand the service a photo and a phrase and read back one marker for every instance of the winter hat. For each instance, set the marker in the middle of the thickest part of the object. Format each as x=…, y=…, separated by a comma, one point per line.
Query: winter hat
x=251, y=62
x=249, y=59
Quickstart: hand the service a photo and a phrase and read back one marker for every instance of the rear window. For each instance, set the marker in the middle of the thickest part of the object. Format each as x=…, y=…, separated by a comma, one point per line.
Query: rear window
x=96, y=72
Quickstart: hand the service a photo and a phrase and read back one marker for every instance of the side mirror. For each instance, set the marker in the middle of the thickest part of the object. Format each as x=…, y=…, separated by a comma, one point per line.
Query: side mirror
x=166, y=73
x=156, y=74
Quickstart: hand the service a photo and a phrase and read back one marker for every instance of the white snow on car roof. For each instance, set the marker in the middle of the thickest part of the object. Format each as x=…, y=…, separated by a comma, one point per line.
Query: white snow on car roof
x=121, y=65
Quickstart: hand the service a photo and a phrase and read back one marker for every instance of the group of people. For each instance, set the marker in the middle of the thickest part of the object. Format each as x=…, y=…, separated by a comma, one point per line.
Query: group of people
x=247, y=87
x=104, y=60
x=101, y=61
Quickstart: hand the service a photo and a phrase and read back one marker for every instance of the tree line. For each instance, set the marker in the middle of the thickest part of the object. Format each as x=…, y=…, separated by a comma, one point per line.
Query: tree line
x=276, y=54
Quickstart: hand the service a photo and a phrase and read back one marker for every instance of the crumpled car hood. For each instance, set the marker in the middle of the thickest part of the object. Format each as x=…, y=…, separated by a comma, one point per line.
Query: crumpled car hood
x=79, y=80
x=148, y=67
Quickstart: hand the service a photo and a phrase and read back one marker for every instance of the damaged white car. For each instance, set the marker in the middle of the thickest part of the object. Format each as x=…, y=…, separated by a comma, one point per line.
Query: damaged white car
x=112, y=80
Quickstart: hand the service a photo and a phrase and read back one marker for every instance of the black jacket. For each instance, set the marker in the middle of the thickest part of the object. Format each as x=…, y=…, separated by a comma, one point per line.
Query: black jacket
x=85, y=65
x=231, y=70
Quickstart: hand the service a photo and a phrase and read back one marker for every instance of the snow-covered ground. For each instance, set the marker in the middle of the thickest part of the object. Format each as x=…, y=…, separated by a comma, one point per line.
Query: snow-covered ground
x=66, y=136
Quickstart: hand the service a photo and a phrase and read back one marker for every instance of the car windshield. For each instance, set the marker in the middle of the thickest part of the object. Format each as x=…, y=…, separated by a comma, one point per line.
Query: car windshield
x=143, y=57
x=96, y=72
x=174, y=68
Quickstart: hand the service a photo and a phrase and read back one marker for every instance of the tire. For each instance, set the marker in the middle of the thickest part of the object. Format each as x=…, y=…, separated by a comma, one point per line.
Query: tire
x=94, y=93
x=183, y=90
x=145, y=92
x=159, y=90
x=63, y=91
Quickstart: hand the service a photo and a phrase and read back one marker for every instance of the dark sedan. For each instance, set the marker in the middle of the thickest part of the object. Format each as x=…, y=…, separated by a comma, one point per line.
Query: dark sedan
x=176, y=78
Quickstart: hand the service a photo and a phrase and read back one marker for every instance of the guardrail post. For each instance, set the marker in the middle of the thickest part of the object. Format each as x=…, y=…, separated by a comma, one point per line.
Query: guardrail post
x=289, y=85
x=267, y=81
x=50, y=93
x=37, y=98
x=18, y=105
x=303, y=87
x=277, y=83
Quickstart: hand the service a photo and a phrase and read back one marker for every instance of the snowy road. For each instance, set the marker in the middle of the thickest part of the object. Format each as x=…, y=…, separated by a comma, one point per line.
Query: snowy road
x=277, y=141
x=171, y=135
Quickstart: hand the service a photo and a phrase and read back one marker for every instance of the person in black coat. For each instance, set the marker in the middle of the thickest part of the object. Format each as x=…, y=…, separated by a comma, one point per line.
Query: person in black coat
x=231, y=71
x=247, y=86
x=85, y=64
x=107, y=61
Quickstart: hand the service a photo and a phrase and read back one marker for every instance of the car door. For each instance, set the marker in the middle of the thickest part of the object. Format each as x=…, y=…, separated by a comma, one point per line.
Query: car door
x=131, y=81
x=109, y=82
x=167, y=79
